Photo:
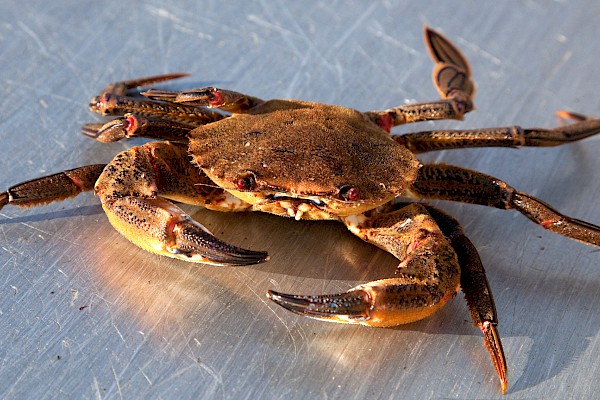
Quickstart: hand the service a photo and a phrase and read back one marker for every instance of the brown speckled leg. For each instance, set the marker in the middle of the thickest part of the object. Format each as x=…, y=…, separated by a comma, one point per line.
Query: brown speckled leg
x=119, y=98
x=53, y=187
x=446, y=182
x=133, y=125
x=452, y=79
x=134, y=189
x=427, y=277
x=476, y=288
x=226, y=100
x=514, y=136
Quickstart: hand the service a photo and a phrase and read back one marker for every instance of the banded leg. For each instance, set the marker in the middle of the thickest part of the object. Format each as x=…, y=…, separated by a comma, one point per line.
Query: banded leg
x=133, y=189
x=55, y=187
x=514, y=136
x=476, y=288
x=212, y=97
x=427, y=277
x=446, y=182
x=118, y=99
x=452, y=79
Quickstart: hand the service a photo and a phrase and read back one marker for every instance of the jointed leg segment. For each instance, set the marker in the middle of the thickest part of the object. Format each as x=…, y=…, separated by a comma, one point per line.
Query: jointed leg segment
x=431, y=246
x=451, y=77
x=53, y=187
x=117, y=99
x=134, y=125
x=427, y=277
x=134, y=188
x=475, y=286
x=514, y=136
x=446, y=182
x=212, y=97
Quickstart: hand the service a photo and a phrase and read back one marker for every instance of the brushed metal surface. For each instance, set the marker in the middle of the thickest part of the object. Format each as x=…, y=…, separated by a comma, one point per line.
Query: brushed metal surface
x=85, y=314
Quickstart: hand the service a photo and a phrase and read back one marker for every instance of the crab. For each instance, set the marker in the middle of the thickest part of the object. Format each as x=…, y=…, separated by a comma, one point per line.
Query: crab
x=227, y=151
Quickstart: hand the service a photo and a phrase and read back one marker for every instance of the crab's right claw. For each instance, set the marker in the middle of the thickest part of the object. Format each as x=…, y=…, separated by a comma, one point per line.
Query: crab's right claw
x=452, y=73
x=192, y=241
x=160, y=227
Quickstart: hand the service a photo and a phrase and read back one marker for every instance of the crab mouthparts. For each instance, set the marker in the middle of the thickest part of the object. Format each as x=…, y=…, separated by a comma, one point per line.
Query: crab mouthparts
x=296, y=206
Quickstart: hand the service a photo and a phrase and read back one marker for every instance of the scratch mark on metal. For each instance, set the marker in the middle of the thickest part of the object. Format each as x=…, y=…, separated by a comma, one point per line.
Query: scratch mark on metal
x=180, y=24
x=35, y=38
x=476, y=49
x=74, y=295
x=118, y=332
x=214, y=374
x=117, y=382
x=261, y=298
x=358, y=22
x=47, y=233
x=145, y=376
x=98, y=392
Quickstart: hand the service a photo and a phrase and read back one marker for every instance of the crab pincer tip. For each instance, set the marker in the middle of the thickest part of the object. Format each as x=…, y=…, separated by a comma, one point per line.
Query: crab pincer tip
x=240, y=257
x=504, y=383
x=296, y=304
x=341, y=306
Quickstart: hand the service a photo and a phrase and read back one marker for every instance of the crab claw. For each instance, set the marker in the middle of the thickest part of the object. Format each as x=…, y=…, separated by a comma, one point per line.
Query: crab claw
x=385, y=302
x=349, y=307
x=194, y=242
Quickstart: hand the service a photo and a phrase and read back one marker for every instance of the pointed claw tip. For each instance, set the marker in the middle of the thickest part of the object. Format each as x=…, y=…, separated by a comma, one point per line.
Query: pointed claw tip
x=90, y=130
x=248, y=257
x=271, y=294
x=569, y=115
x=504, y=383
x=293, y=303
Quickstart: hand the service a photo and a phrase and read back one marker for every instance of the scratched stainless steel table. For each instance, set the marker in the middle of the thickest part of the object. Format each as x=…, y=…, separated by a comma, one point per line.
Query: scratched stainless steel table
x=85, y=314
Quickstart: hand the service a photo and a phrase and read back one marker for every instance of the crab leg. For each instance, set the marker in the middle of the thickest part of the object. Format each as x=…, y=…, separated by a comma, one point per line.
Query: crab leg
x=133, y=189
x=53, y=187
x=133, y=125
x=212, y=97
x=427, y=277
x=446, y=182
x=431, y=246
x=476, y=288
x=116, y=99
x=514, y=136
x=452, y=79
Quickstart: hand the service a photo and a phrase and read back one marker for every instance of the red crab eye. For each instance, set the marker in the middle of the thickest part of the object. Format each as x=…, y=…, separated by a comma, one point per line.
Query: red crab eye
x=348, y=193
x=246, y=181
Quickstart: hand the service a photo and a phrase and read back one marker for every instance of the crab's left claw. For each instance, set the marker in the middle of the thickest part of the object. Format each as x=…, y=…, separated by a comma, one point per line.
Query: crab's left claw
x=385, y=302
x=351, y=306
x=160, y=227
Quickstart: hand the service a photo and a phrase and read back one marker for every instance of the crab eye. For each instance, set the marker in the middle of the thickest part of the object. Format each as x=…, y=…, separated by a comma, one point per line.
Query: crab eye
x=348, y=193
x=246, y=181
